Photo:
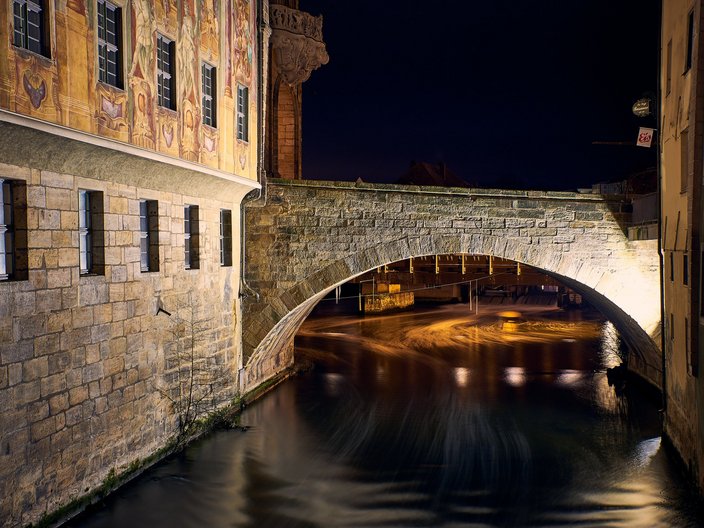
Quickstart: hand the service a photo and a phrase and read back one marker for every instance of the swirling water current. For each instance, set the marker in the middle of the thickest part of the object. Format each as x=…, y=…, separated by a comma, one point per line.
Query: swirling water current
x=429, y=418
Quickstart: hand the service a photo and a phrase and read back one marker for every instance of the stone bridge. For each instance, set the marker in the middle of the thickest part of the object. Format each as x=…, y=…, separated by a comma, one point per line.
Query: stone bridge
x=308, y=237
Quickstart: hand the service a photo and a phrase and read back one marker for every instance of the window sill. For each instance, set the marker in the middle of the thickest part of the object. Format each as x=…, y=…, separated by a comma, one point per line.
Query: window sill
x=49, y=62
x=91, y=275
x=112, y=87
x=167, y=110
x=12, y=280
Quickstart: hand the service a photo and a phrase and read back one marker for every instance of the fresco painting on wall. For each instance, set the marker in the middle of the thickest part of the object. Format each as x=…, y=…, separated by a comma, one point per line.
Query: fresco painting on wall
x=244, y=52
x=168, y=132
x=141, y=75
x=143, y=122
x=65, y=89
x=209, y=29
x=36, y=87
x=111, y=112
x=167, y=15
x=186, y=58
x=209, y=146
x=76, y=5
x=228, y=48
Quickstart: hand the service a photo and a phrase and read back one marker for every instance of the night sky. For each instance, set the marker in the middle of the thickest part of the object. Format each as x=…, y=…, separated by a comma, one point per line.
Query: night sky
x=507, y=94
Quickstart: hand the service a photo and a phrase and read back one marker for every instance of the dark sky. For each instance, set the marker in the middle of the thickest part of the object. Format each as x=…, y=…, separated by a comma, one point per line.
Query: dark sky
x=508, y=94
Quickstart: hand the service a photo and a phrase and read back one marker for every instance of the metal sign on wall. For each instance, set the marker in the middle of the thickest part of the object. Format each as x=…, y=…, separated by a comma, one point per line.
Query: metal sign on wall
x=645, y=137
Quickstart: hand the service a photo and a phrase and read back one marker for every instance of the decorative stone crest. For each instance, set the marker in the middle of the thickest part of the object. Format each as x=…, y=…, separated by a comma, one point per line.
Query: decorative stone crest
x=297, y=43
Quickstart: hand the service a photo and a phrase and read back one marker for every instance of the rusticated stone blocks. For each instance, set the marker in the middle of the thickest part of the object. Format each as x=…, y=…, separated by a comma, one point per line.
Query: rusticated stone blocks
x=83, y=359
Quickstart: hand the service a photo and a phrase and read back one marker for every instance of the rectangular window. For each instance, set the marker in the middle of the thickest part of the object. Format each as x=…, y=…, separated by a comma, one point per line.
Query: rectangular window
x=684, y=160
x=13, y=230
x=208, y=93
x=672, y=266
x=109, y=43
x=668, y=85
x=165, y=63
x=90, y=232
x=30, y=27
x=225, y=237
x=149, y=235
x=242, y=113
x=190, y=236
x=685, y=269
x=690, y=352
x=690, y=42
x=701, y=284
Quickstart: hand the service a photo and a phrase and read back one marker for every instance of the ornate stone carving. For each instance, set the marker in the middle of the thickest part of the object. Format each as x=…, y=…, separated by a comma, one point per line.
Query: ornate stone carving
x=297, y=43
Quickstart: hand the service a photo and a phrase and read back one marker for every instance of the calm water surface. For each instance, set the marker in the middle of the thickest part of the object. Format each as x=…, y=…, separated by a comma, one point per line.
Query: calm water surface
x=429, y=418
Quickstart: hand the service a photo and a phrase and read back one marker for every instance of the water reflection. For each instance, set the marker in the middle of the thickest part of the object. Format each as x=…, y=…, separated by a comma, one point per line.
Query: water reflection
x=416, y=420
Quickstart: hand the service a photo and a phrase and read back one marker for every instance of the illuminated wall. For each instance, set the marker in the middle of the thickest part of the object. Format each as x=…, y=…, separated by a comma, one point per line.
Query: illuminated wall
x=62, y=85
x=151, y=109
x=681, y=168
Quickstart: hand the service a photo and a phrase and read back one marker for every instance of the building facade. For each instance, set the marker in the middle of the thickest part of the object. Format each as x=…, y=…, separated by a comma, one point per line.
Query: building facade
x=130, y=132
x=681, y=123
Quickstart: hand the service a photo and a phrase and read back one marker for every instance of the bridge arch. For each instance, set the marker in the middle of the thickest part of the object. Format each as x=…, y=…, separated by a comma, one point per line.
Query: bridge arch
x=618, y=277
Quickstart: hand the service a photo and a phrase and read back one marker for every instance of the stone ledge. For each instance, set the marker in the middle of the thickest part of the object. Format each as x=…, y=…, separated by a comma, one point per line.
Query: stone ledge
x=450, y=191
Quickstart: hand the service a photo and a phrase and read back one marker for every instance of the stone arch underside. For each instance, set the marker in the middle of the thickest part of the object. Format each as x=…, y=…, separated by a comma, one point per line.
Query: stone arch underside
x=623, y=285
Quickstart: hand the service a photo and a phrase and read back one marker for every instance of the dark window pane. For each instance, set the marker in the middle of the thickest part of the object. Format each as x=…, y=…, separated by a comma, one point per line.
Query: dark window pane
x=144, y=253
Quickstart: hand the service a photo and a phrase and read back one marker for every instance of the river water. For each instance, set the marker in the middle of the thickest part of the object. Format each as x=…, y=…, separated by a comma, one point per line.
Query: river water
x=435, y=417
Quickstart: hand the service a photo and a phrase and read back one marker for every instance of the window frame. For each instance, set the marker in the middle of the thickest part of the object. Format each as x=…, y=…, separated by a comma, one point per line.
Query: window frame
x=684, y=160
x=209, y=94
x=148, y=236
x=13, y=200
x=685, y=268
x=165, y=78
x=190, y=237
x=90, y=233
x=242, y=113
x=689, y=57
x=22, y=39
x=225, y=237
x=668, y=82
x=105, y=47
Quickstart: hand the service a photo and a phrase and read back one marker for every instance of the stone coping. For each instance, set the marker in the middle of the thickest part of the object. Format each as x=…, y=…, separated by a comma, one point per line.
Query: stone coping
x=450, y=191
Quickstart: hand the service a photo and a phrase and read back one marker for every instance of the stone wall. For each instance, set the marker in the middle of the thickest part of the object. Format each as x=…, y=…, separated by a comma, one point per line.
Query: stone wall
x=87, y=365
x=312, y=236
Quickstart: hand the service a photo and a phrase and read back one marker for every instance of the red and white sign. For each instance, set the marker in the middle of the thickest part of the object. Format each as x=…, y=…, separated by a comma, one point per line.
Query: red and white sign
x=645, y=137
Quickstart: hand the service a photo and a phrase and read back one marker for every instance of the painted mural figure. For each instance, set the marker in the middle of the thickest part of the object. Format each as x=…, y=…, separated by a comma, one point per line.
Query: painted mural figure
x=143, y=41
x=209, y=27
x=243, y=42
x=186, y=53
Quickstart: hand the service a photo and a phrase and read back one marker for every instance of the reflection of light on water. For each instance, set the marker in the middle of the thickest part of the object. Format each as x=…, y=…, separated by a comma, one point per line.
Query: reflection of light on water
x=466, y=331
x=604, y=395
x=380, y=373
x=610, y=345
x=515, y=376
x=462, y=376
x=333, y=384
x=569, y=377
x=645, y=451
